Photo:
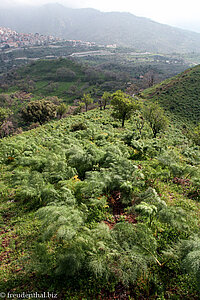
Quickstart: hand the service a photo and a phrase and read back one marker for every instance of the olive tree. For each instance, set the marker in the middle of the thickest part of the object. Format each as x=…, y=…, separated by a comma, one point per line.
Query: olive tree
x=106, y=99
x=39, y=111
x=86, y=99
x=155, y=117
x=63, y=74
x=123, y=105
x=62, y=110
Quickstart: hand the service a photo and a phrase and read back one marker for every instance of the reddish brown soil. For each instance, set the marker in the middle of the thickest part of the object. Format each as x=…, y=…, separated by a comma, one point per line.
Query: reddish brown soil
x=118, y=210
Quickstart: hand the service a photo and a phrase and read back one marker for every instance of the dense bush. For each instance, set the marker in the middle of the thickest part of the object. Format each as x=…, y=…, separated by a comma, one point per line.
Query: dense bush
x=39, y=111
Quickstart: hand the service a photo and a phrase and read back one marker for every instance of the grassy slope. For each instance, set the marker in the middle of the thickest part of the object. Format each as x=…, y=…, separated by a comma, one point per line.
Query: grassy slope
x=47, y=68
x=179, y=95
x=43, y=73
x=40, y=78
x=45, y=83
x=20, y=227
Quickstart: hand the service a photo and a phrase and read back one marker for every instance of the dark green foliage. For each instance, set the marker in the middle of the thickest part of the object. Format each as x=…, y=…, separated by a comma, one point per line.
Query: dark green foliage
x=65, y=74
x=78, y=126
x=39, y=111
x=188, y=253
x=122, y=253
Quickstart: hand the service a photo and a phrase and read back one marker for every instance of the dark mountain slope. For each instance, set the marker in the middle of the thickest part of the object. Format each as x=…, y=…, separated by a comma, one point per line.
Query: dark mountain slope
x=124, y=29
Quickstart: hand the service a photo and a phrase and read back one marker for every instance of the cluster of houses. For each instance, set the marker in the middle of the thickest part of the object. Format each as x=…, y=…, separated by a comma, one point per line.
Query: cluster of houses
x=12, y=39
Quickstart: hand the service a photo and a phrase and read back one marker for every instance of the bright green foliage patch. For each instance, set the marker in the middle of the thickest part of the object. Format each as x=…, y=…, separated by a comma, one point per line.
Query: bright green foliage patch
x=107, y=206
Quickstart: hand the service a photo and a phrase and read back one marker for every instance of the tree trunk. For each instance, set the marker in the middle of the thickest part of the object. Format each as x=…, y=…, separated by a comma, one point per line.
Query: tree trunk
x=154, y=133
x=123, y=119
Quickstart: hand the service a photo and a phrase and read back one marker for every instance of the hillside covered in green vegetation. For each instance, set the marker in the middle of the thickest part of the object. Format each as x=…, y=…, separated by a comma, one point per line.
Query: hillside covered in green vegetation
x=90, y=210
x=58, y=77
x=71, y=77
x=180, y=95
x=58, y=81
x=66, y=80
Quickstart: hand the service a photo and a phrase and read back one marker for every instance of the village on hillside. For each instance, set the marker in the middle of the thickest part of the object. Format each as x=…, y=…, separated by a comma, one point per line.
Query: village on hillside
x=12, y=39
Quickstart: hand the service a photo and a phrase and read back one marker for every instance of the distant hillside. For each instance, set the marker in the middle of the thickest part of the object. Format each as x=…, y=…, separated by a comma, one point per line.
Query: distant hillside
x=64, y=78
x=124, y=29
x=179, y=95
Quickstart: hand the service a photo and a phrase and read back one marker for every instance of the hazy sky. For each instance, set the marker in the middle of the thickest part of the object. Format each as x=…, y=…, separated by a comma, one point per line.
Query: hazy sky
x=180, y=13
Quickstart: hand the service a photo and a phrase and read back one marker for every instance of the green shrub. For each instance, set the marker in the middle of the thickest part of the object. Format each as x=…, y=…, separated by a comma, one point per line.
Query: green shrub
x=78, y=126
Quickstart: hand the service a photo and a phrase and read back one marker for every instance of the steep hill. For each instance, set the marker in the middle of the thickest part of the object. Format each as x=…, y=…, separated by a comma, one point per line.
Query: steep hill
x=124, y=29
x=179, y=95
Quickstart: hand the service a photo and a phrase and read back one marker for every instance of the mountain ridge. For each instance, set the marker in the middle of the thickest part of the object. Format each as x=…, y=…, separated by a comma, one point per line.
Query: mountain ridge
x=123, y=29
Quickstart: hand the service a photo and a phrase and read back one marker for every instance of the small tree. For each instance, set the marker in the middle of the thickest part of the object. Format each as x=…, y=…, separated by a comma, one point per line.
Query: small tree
x=139, y=122
x=54, y=99
x=86, y=99
x=100, y=101
x=150, y=78
x=78, y=109
x=106, y=99
x=123, y=105
x=39, y=111
x=156, y=118
x=51, y=87
x=132, y=89
x=62, y=110
x=65, y=74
